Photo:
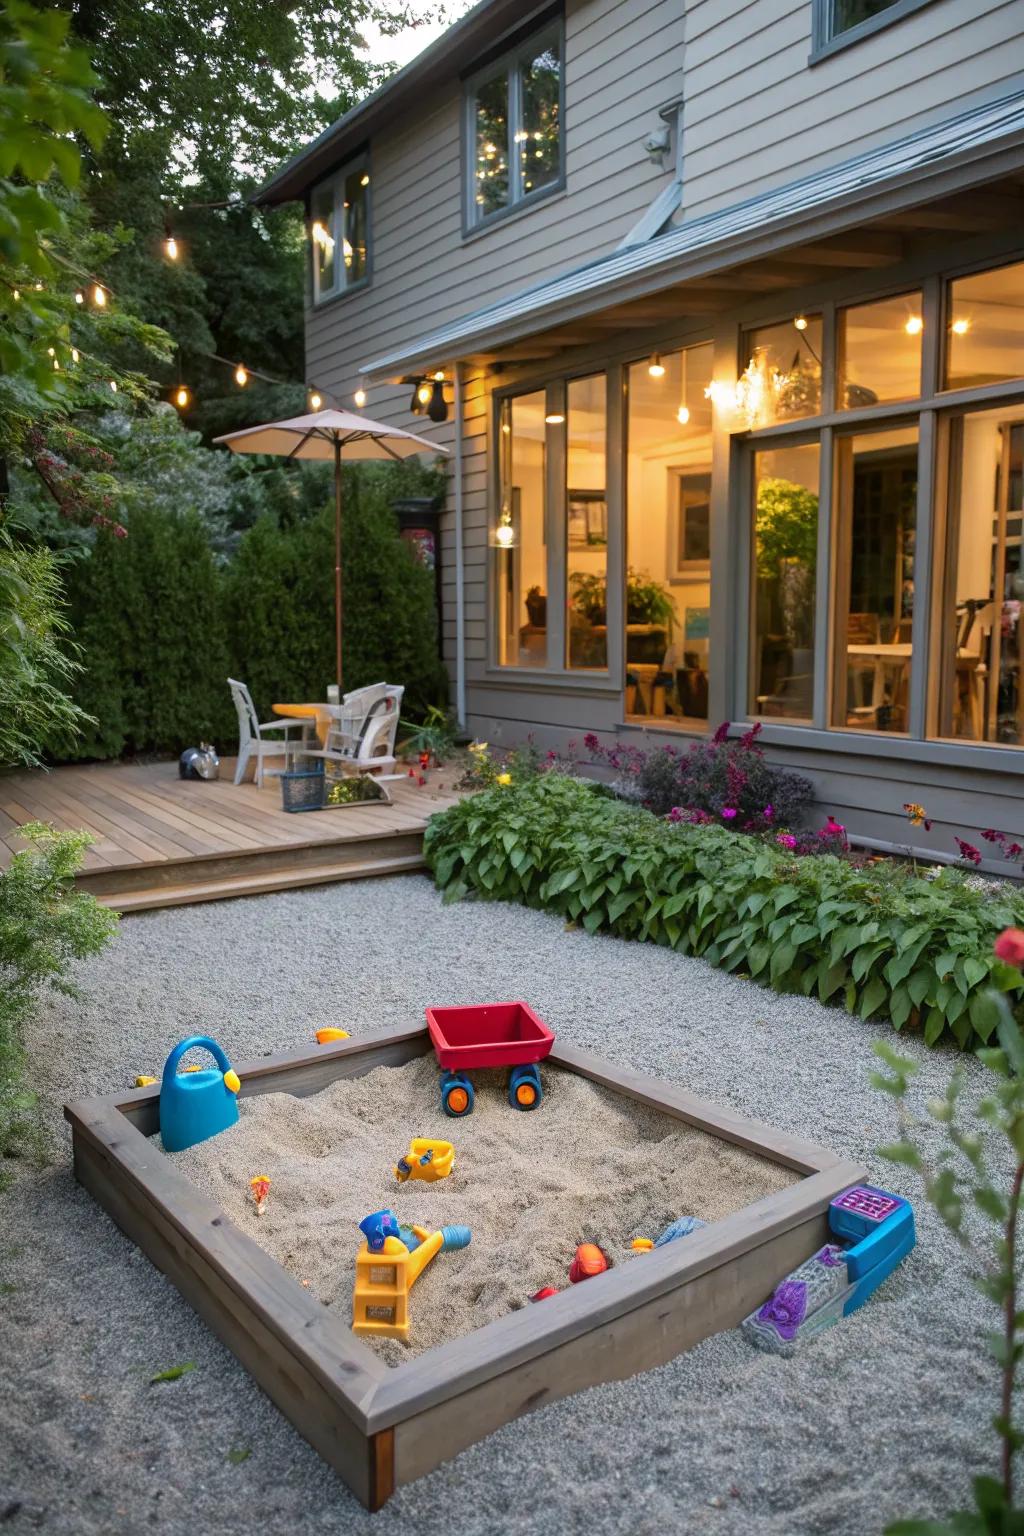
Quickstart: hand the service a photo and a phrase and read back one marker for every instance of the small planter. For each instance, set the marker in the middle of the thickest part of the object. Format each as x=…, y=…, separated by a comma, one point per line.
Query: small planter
x=346, y=792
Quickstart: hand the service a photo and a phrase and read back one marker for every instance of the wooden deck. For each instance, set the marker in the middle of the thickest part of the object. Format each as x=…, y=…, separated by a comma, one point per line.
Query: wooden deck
x=163, y=841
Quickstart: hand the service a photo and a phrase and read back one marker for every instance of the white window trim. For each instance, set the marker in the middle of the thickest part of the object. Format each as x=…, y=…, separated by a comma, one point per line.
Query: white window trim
x=511, y=63
x=336, y=183
x=825, y=40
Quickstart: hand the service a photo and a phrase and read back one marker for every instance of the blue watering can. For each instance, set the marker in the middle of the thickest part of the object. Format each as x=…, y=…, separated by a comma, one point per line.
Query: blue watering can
x=196, y=1105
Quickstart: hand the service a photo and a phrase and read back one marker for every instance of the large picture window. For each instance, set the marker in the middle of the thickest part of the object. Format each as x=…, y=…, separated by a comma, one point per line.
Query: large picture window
x=514, y=128
x=340, y=232
x=785, y=559
x=520, y=536
x=586, y=523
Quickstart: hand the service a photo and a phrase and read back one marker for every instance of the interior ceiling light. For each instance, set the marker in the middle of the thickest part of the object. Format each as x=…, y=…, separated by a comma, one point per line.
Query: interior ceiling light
x=801, y=322
x=554, y=419
x=914, y=326
x=960, y=327
x=656, y=368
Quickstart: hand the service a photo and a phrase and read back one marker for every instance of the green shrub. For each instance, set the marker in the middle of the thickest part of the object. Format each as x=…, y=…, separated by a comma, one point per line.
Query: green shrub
x=44, y=925
x=36, y=667
x=879, y=939
x=147, y=612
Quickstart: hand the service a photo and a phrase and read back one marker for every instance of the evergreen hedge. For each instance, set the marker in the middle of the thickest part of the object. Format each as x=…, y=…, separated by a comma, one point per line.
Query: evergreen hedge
x=161, y=624
x=880, y=939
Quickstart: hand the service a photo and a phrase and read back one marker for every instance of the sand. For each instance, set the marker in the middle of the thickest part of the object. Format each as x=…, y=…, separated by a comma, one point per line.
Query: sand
x=587, y=1165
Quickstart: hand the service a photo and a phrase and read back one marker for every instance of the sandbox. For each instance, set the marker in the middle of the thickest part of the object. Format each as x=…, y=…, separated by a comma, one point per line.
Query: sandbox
x=609, y=1155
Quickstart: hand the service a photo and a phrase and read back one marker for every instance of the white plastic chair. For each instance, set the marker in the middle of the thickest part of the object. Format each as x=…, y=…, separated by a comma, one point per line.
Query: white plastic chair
x=251, y=743
x=363, y=729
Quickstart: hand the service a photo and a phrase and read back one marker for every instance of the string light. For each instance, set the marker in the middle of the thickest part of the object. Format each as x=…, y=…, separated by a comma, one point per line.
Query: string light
x=315, y=400
x=360, y=398
x=914, y=326
x=656, y=368
x=79, y=296
x=16, y=294
x=181, y=396
x=74, y=354
x=99, y=296
x=960, y=327
x=171, y=248
x=800, y=322
x=113, y=386
x=38, y=287
x=241, y=376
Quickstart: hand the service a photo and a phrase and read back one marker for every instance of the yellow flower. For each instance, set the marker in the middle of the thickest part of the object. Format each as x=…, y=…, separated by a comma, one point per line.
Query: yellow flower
x=478, y=746
x=503, y=778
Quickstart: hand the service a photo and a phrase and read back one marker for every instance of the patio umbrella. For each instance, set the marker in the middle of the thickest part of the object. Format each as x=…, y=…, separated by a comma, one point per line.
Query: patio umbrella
x=332, y=435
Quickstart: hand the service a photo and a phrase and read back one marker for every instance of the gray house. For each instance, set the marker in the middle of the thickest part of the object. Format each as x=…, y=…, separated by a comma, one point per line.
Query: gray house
x=719, y=308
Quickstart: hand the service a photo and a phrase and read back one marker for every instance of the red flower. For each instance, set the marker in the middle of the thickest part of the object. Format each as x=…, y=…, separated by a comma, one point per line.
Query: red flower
x=1010, y=946
x=994, y=837
x=968, y=851
x=722, y=734
x=591, y=742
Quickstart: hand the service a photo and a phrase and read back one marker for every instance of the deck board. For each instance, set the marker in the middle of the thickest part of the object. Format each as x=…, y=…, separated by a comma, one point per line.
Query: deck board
x=153, y=829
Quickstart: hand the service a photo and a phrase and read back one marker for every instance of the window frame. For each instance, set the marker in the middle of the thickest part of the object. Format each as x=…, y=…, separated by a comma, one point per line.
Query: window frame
x=336, y=182
x=825, y=41
x=511, y=61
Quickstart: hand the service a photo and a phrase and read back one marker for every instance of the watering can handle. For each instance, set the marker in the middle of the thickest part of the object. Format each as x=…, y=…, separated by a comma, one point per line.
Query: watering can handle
x=217, y=1051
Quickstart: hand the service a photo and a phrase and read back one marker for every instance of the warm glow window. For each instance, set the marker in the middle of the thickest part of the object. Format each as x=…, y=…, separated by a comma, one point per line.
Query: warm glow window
x=339, y=230
x=515, y=127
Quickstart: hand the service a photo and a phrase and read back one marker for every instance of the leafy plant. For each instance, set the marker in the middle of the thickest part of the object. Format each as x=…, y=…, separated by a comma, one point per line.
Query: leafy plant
x=959, y=1180
x=647, y=601
x=353, y=789
x=45, y=925
x=435, y=736
x=727, y=778
x=37, y=666
x=877, y=939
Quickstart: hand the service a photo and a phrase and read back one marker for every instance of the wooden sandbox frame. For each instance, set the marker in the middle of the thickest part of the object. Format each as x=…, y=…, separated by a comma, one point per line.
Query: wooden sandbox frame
x=377, y=1426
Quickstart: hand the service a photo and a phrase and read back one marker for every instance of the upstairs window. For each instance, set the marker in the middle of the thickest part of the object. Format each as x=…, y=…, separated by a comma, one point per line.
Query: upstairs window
x=339, y=231
x=514, y=128
x=838, y=22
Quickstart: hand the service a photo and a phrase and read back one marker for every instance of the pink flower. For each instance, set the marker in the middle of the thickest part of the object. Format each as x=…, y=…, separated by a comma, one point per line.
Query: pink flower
x=675, y=814
x=991, y=836
x=729, y=813
x=1010, y=946
x=591, y=742
x=722, y=734
x=768, y=812
x=786, y=839
x=1014, y=851
x=968, y=851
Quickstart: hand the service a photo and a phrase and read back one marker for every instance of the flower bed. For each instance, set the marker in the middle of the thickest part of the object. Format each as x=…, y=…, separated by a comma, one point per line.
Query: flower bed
x=881, y=939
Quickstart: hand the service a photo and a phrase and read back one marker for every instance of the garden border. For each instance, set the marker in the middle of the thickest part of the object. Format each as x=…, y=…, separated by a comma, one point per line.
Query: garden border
x=380, y=1427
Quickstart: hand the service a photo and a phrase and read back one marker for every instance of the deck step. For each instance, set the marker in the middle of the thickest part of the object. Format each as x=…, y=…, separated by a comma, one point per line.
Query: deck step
x=255, y=884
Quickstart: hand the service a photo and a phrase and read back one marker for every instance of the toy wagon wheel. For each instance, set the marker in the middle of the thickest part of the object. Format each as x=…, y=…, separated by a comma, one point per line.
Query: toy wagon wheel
x=524, y=1089
x=457, y=1097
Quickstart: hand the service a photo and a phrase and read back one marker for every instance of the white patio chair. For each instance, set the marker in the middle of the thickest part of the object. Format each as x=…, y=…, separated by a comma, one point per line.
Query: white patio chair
x=251, y=735
x=363, y=728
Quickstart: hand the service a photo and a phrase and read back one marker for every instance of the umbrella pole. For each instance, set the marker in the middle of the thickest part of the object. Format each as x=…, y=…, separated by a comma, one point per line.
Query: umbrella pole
x=337, y=557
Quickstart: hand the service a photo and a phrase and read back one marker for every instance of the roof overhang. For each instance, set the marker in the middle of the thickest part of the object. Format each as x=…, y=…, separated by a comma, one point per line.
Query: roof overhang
x=464, y=45
x=788, y=237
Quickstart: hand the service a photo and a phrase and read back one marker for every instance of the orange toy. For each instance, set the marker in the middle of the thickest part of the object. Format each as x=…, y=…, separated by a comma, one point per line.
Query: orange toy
x=589, y=1261
x=260, y=1186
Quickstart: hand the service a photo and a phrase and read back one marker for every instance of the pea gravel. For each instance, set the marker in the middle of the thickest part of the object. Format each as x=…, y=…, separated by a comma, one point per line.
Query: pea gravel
x=885, y=1415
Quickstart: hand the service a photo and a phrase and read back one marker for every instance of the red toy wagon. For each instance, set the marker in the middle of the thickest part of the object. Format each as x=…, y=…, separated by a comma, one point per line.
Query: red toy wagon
x=489, y=1035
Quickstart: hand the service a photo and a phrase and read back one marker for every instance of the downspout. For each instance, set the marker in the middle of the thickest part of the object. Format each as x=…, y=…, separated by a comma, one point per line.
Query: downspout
x=460, y=574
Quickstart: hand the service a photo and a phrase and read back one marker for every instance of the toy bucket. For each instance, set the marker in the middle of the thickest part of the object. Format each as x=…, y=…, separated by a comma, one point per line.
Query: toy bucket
x=196, y=1105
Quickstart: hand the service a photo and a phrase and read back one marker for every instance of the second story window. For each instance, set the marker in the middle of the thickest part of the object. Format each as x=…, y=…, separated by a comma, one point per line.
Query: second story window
x=514, y=127
x=837, y=22
x=340, y=231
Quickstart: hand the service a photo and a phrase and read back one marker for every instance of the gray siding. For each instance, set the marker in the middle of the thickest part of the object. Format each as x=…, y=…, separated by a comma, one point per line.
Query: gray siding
x=756, y=116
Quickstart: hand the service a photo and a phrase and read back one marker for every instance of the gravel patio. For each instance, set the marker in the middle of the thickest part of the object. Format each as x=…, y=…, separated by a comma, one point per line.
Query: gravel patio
x=885, y=1415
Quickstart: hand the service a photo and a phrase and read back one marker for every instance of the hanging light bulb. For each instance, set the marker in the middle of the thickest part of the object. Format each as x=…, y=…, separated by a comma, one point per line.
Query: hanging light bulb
x=79, y=296
x=16, y=295
x=683, y=411
x=801, y=322
x=99, y=296
x=914, y=326
x=437, y=410
x=504, y=536
x=74, y=354
x=683, y=415
x=424, y=391
x=241, y=376
x=170, y=247
x=113, y=386
x=316, y=400
x=182, y=397
x=360, y=398
x=656, y=368
x=960, y=327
